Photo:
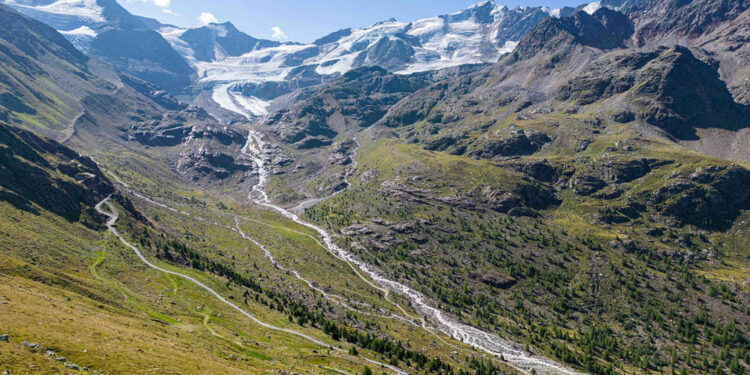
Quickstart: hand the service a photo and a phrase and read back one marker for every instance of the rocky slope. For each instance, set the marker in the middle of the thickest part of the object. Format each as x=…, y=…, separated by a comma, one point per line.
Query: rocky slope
x=105, y=29
x=37, y=173
x=576, y=140
x=34, y=59
x=51, y=88
x=718, y=30
x=356, y=100
x=553, y=197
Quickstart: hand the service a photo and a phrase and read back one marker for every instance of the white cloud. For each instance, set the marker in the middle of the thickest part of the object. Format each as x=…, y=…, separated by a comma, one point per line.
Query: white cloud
x=163, y=4
x=278, y=34
x=207, y=18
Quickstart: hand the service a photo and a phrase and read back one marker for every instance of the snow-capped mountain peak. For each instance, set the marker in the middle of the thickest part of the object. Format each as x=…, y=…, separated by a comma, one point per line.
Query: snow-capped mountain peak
x=64, y=15
x=482, y=33
x=239, y=65
x=591, y=8
x=490, y=3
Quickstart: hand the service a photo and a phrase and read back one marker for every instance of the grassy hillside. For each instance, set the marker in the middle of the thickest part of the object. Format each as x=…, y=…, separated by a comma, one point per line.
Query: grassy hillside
x=608, y=281
x=71, y=290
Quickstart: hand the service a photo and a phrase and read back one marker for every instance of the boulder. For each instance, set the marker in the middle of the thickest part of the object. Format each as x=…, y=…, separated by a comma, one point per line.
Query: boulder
x=31, y=345
x=623, y=117
x=539, y=170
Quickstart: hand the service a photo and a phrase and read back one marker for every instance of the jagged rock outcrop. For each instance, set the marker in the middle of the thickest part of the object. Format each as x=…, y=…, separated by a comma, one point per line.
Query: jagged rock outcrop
x=605, y=29
x=520, y=142
x=523, y=200
x=171, y=128
x=686, y=93
x=213, y=153
x=356, y=100
x=35, y=171
x=709, y=198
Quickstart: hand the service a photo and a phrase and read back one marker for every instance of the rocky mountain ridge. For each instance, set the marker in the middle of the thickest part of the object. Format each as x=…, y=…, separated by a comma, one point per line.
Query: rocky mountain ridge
x=552, y=197
x=105, y=29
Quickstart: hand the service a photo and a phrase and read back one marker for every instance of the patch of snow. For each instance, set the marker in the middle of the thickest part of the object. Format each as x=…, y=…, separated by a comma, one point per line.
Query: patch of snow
x=247, y=106
x=172, y=35
x=499, y=11
x=552, y=12
x=219, y=52
x=508, y=47
x=341, y=65
x=88, y=9
x=219, y=29
x=427, y=26
x=81, y=31
x=256, y=106
x=591, y=8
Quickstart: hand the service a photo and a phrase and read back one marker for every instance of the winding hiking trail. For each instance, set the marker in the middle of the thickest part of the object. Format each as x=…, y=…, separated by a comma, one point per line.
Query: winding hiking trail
x=488, y=342
x=113, y=215
x=484, y=341
x=339, y=300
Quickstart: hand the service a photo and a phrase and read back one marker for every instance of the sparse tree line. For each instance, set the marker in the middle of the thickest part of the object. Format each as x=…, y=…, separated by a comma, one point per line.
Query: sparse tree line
x=392, y=351
x=635, y=291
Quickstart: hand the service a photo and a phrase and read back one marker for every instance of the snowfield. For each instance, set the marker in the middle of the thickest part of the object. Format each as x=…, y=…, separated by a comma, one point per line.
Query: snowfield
x=482, y=33
x=470, y=36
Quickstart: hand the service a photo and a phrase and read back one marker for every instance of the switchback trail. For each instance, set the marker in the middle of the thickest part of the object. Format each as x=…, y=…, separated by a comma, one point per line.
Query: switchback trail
x=113, y=215
x=331, y=297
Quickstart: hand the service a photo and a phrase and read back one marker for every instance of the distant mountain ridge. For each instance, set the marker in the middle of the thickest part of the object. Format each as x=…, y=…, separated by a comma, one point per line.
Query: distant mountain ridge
x=232, y=73
x=479, y=34
x=584, y=195
x=105, y=29
x=221, y=58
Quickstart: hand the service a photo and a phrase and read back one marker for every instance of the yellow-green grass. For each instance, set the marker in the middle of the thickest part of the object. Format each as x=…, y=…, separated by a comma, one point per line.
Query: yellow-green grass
x=156, y=326
x=296, y=247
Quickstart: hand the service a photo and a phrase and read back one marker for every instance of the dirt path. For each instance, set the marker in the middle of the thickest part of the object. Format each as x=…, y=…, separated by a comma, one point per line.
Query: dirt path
x=113, y=215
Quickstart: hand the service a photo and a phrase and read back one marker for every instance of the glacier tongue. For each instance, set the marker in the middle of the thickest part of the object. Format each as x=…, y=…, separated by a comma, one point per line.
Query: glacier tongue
x=231, y=100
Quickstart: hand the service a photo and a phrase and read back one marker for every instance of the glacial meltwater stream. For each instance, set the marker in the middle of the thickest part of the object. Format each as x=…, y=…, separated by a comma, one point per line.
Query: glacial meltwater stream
x=485, y=341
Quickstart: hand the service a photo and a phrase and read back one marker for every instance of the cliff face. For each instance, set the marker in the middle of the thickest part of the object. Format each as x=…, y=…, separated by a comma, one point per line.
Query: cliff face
x=41, y=173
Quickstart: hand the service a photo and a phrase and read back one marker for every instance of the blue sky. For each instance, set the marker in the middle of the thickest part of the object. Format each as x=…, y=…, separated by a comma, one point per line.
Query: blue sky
x=304, y=20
